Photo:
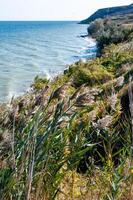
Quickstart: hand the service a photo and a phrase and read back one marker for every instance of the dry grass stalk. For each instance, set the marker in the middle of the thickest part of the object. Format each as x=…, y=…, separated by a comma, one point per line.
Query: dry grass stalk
x=131, y=112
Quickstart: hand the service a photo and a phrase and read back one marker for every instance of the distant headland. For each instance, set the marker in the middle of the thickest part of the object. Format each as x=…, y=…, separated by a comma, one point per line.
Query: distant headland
x=113, y=12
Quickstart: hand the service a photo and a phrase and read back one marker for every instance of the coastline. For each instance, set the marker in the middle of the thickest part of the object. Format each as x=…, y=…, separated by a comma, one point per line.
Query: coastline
x=74, y=131
x=92, y=50
x=36, y=48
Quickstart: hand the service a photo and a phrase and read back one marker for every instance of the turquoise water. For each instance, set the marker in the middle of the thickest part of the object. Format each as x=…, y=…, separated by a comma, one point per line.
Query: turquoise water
x=28, y=49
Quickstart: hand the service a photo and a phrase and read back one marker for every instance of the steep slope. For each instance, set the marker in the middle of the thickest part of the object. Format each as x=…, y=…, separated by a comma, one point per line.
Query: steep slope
x=119, y=11
x=70, y=138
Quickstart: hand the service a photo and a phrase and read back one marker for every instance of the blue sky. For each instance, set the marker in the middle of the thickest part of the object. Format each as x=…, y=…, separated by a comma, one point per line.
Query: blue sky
x=53, y=9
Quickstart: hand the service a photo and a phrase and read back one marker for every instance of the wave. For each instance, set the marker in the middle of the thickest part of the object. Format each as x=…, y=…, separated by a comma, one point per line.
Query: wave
x=27, y=51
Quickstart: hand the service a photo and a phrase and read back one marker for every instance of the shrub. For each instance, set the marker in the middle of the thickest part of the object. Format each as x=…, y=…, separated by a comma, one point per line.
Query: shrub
x=92, y=77
x=115, y=57
x=95, y=27
x=107, y=32
x=39, y=83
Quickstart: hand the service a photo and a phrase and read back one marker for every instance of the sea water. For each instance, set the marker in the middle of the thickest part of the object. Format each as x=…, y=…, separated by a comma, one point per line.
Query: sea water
x=44, y=48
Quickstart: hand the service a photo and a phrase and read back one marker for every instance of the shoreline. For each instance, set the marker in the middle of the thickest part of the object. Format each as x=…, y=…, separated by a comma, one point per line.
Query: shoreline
x=43, y=75
x=35, y=49
x=74, y=132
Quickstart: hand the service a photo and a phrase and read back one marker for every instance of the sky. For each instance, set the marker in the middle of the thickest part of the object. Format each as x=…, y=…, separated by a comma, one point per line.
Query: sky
x=53, y=9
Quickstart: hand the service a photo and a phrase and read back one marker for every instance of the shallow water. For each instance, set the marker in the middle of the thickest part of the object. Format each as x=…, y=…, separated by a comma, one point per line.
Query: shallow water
x=28, y=49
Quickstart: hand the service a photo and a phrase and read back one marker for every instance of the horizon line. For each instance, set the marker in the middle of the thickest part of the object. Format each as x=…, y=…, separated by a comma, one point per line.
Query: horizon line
x=35, y=20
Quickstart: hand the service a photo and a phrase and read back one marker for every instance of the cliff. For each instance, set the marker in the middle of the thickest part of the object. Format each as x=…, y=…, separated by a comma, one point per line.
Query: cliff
x=118, y=12
x=70, y=138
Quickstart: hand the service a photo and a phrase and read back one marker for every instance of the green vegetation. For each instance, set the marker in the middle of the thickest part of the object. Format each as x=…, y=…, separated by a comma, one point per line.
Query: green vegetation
x=88, y=73
x=71, y=138
x=39, y=83
x=107, y=32
x=119, y=14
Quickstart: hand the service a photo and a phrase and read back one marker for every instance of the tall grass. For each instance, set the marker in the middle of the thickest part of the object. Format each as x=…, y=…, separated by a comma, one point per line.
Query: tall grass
x=41, y=155
x=67, y=153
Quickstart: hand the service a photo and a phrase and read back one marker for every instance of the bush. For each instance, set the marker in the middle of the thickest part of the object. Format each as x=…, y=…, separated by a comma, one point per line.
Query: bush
x=95, y=27
x=39, y=83
x=89, y=73
x=115, y=57
x=114, y=34
x=107, y=32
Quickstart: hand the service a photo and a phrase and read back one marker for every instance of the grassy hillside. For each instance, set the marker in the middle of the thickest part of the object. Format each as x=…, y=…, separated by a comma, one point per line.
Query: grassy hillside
x=121, y=13
x=71, y=138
